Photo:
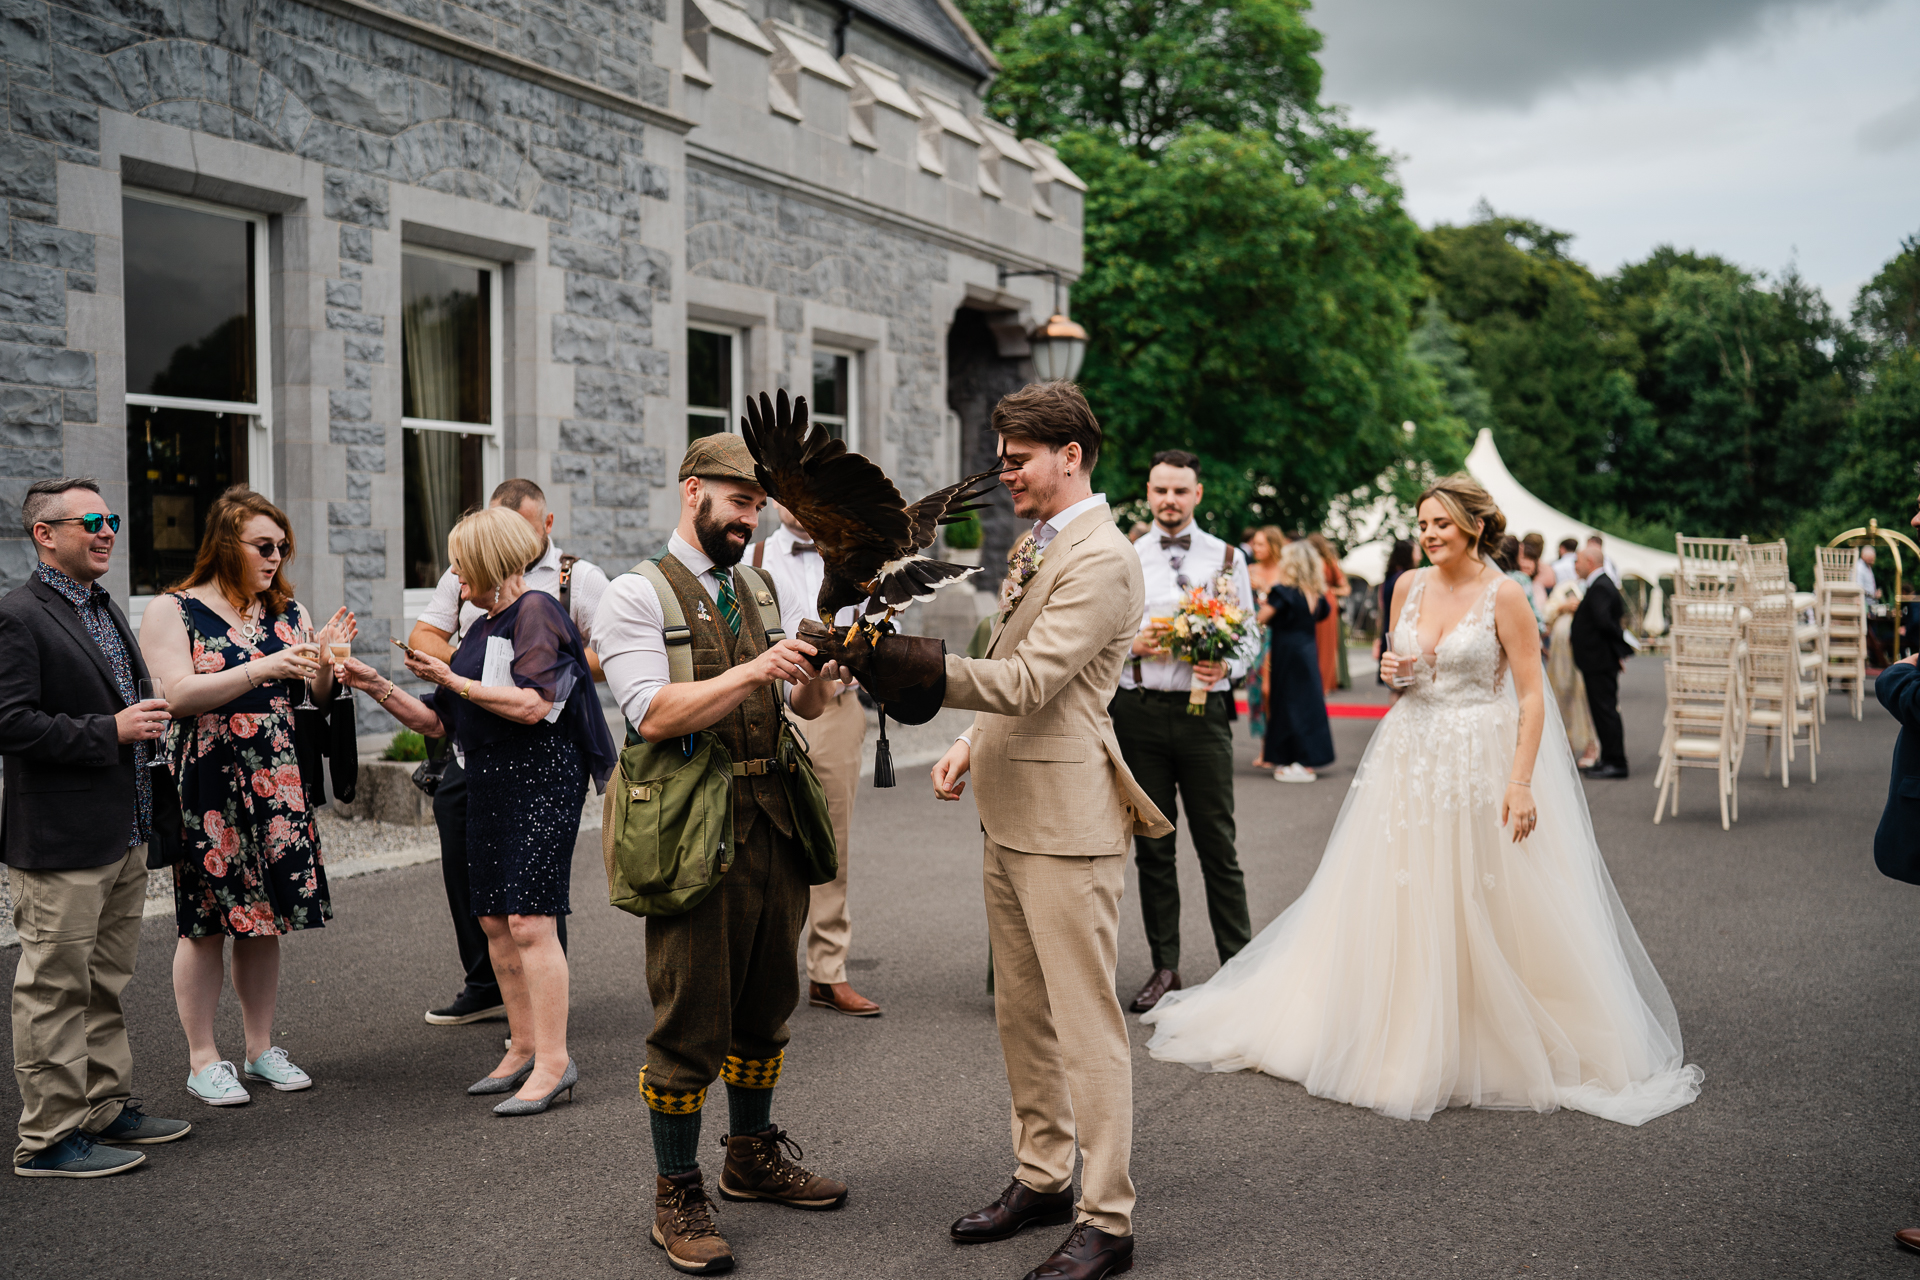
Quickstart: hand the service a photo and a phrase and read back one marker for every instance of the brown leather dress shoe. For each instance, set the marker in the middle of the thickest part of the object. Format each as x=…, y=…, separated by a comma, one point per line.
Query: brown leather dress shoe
x=1018, y=1206
x=757, y=1169
x=1088, y=1253
x=1908, y=1237
x=683, y=1226
x=1162, y=981
x=841, y=998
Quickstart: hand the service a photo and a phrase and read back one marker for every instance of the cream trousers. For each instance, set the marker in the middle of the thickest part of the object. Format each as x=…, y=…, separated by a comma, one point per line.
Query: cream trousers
x=835, y=738
x=1054, y=922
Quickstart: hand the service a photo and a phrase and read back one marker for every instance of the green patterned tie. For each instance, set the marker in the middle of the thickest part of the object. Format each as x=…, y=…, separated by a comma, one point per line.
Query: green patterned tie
x=729, y=604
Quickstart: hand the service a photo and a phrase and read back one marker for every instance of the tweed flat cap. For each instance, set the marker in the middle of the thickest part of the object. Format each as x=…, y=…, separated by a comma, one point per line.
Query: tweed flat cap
x=721, y=456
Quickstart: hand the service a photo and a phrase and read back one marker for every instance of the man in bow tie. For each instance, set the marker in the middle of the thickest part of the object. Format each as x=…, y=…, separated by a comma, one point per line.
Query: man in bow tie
x=1170, y=750
x=836, y=739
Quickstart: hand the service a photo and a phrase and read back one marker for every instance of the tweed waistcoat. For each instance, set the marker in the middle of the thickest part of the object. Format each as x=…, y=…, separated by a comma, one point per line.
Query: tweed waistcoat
x=751, y=731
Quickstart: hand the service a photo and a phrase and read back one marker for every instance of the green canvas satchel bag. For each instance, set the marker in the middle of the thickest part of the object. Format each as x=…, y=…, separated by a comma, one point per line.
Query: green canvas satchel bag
x=812, y=825
x=667, y=832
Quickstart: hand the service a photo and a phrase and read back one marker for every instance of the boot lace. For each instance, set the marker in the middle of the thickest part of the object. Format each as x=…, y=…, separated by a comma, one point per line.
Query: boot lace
x=770, y=1159
x=691, y=1213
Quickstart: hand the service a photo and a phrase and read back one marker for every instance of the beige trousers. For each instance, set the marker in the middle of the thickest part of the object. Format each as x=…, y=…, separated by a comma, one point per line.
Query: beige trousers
x=835, y=737
x=79, y=933
x=1054, y=923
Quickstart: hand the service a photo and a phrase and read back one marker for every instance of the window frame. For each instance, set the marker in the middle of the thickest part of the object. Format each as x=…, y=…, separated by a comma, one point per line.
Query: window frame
x=736, y=374
x=850, y=420
x=260, y=410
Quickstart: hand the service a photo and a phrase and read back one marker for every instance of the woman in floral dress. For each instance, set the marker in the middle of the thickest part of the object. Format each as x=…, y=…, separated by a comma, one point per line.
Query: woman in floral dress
x=226, y=646
x=1263, y=570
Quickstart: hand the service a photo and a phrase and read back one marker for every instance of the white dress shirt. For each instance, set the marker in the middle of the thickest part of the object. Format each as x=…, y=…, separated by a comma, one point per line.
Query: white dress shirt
x=797, y=572
x=1044, y=531
x=447, y=612
x=1863, y=578
x=1164, y=568
x=630, y=631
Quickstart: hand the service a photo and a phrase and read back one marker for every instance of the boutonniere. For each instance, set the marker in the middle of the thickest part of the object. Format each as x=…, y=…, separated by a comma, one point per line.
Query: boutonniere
x=1022, y=563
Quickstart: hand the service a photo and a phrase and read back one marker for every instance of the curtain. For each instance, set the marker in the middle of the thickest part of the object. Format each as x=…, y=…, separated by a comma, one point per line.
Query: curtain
x=430, y=335
x=433, y=500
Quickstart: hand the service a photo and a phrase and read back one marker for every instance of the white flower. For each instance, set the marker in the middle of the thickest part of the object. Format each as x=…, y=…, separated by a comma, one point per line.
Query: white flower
x=1402, y=877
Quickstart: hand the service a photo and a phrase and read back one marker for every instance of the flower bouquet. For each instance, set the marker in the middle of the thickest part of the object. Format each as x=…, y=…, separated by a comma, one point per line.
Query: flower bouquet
x=1209, y=627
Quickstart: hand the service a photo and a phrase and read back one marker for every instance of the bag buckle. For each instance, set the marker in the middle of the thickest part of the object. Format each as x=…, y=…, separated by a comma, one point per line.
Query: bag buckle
x=639, y=792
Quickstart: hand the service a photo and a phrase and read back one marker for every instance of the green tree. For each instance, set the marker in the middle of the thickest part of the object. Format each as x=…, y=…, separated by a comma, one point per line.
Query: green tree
x=1888, y=310
x=1543, y=341
x=1142, y=71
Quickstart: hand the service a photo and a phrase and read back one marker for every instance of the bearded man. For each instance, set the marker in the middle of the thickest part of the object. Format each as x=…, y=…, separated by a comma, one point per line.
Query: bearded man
x=722, y=976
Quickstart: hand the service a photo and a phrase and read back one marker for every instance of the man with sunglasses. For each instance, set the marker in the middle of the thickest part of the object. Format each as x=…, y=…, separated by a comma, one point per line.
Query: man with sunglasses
x=74, y=823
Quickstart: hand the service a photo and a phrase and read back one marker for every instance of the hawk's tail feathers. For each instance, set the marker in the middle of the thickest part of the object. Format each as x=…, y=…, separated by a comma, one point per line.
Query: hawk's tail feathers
x=900, y=582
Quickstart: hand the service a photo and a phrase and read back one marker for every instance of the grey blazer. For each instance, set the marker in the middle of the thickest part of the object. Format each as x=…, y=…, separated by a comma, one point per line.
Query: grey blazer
x=69, y=800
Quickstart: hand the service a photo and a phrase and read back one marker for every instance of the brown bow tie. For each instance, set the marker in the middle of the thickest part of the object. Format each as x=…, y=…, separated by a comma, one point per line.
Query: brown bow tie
x=801, y=548
x=1184, y=542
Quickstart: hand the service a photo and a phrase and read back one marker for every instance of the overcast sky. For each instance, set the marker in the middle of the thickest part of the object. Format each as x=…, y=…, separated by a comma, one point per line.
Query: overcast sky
x=1768, y=131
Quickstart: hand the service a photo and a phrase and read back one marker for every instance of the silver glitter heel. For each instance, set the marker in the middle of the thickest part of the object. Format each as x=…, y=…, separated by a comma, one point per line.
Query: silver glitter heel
x=534, y=1106
x=502, y=1084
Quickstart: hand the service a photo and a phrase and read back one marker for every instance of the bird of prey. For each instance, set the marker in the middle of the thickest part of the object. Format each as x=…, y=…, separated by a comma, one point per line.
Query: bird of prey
x=868, y=537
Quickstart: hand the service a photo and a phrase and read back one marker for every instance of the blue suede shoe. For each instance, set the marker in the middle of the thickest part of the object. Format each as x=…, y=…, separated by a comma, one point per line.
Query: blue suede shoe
x=133, y=1127
x=75, y=1156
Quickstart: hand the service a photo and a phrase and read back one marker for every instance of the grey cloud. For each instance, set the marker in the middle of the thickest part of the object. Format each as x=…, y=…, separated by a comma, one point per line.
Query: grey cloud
x=1894, y=129
x=1510, y=52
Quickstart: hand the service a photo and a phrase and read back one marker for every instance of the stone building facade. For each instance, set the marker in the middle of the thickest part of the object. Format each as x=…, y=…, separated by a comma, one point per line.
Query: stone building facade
x=477, y=240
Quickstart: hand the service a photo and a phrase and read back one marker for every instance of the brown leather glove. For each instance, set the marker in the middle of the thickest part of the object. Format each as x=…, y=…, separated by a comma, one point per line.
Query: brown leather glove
x=905, y=674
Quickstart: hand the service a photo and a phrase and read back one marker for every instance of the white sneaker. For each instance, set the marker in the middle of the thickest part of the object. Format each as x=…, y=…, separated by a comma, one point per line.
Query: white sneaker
x=1293, y=773
x=276, y=1069
x=219, y=1086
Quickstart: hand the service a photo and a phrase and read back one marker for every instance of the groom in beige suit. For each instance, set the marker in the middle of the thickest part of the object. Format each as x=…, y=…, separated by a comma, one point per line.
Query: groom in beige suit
x=1059, y=809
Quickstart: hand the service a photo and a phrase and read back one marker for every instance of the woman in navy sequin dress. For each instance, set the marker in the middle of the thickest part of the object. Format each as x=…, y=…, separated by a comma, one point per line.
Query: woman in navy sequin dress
x=519, y=701
x=225, y=645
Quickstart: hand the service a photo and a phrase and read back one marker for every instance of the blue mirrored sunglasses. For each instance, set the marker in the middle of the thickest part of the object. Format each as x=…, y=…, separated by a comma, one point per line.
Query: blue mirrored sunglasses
x=90, y=522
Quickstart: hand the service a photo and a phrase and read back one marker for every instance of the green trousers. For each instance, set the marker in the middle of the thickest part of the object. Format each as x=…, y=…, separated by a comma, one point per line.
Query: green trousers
x=725, y=976
x=1170, y=751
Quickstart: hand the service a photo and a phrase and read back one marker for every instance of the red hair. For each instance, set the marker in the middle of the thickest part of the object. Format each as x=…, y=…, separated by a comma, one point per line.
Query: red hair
x=222, y=558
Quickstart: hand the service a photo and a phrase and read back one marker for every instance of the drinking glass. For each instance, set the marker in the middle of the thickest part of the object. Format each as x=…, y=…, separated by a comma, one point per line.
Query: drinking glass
x=306, y=691
x=151, y=691
x=342, y=650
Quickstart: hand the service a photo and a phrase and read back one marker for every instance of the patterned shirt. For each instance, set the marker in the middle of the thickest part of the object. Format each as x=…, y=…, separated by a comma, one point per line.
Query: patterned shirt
x=89, y=600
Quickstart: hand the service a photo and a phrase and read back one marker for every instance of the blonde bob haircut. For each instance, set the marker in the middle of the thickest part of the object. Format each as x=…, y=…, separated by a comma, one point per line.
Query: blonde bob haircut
x=1301, y=569
x=1470, y=507
x=489, y=546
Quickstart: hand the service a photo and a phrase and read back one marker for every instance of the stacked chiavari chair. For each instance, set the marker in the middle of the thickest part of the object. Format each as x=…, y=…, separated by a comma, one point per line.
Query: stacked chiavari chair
x=1706, y=583
x=1704, y=726
x=1841, y=607
x=1783, y=696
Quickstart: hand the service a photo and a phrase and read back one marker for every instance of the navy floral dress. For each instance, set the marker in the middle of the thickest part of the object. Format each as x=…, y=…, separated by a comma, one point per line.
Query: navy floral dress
x=253, y=864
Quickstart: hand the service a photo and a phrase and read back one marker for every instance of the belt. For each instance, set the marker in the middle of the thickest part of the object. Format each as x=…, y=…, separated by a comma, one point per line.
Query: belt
x=758, y=768
x=1181, y=694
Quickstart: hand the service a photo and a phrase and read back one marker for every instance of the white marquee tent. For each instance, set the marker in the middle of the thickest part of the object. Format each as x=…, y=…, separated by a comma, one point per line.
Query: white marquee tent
x=1525, y=514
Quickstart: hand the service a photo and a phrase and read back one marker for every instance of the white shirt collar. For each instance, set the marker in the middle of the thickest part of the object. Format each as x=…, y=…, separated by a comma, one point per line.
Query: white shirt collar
x=1601, y=572
x=1044, y=531
x=696, y=560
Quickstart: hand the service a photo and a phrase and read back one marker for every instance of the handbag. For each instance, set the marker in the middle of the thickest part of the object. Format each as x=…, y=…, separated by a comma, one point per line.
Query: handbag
x=433, y=769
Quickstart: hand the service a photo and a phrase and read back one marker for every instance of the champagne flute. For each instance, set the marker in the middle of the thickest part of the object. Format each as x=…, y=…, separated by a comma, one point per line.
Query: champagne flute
x=151, y=691
x=342, y=650
x=306, y=691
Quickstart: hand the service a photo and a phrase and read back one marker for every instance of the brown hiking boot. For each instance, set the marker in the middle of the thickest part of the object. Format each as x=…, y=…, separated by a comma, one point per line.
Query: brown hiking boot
x=757, y=1169
x=683, y=1226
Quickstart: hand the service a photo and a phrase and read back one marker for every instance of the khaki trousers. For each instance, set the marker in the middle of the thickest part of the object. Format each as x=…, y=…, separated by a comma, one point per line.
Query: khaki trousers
x=835, y=738
x=1054, y=923
x=79, y=933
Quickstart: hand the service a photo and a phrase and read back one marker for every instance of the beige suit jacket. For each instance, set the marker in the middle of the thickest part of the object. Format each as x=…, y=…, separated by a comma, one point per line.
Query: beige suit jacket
x=1047, y=770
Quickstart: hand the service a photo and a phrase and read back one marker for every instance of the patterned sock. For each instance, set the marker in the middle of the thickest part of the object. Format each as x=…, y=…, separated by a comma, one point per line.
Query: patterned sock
x=748, y=1110
x=676, y=1142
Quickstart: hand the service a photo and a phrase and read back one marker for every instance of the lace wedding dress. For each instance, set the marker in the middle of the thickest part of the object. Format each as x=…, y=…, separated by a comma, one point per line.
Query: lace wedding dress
x=1432, y=962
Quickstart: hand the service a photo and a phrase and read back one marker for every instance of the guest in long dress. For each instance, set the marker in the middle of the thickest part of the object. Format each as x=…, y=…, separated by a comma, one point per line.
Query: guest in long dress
x=1328, y=641
x=1263, y=570
x=1299, y=740
x=228, y=647
x=519, y=701
x=1399, y=561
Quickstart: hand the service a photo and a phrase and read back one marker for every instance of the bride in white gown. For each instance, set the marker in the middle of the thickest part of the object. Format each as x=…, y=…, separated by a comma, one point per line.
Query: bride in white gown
x=1452, y=950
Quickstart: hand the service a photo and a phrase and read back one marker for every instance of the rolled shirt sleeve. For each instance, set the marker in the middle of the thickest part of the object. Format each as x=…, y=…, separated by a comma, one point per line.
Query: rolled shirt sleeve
x=585, y=590
x=443, y=610
x=629, y=634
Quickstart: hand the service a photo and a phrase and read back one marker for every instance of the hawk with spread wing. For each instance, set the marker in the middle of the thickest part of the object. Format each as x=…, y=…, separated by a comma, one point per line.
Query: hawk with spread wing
x=867, y=535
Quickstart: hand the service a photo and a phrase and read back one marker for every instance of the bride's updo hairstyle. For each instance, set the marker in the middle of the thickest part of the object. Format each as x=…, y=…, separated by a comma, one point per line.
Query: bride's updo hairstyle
x=1470, y=507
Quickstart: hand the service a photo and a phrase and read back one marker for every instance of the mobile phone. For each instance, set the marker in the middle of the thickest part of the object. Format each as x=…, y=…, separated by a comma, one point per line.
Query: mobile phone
x=403, y=644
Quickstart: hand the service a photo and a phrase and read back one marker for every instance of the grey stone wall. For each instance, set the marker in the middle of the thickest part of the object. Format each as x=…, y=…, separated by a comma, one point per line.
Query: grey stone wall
x=746, y=234
x=376, y=110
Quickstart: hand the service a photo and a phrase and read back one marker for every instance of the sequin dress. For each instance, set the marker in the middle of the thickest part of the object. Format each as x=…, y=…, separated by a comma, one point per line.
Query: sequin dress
x=1432, y=962
x=253, y=866
x=526, y=782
